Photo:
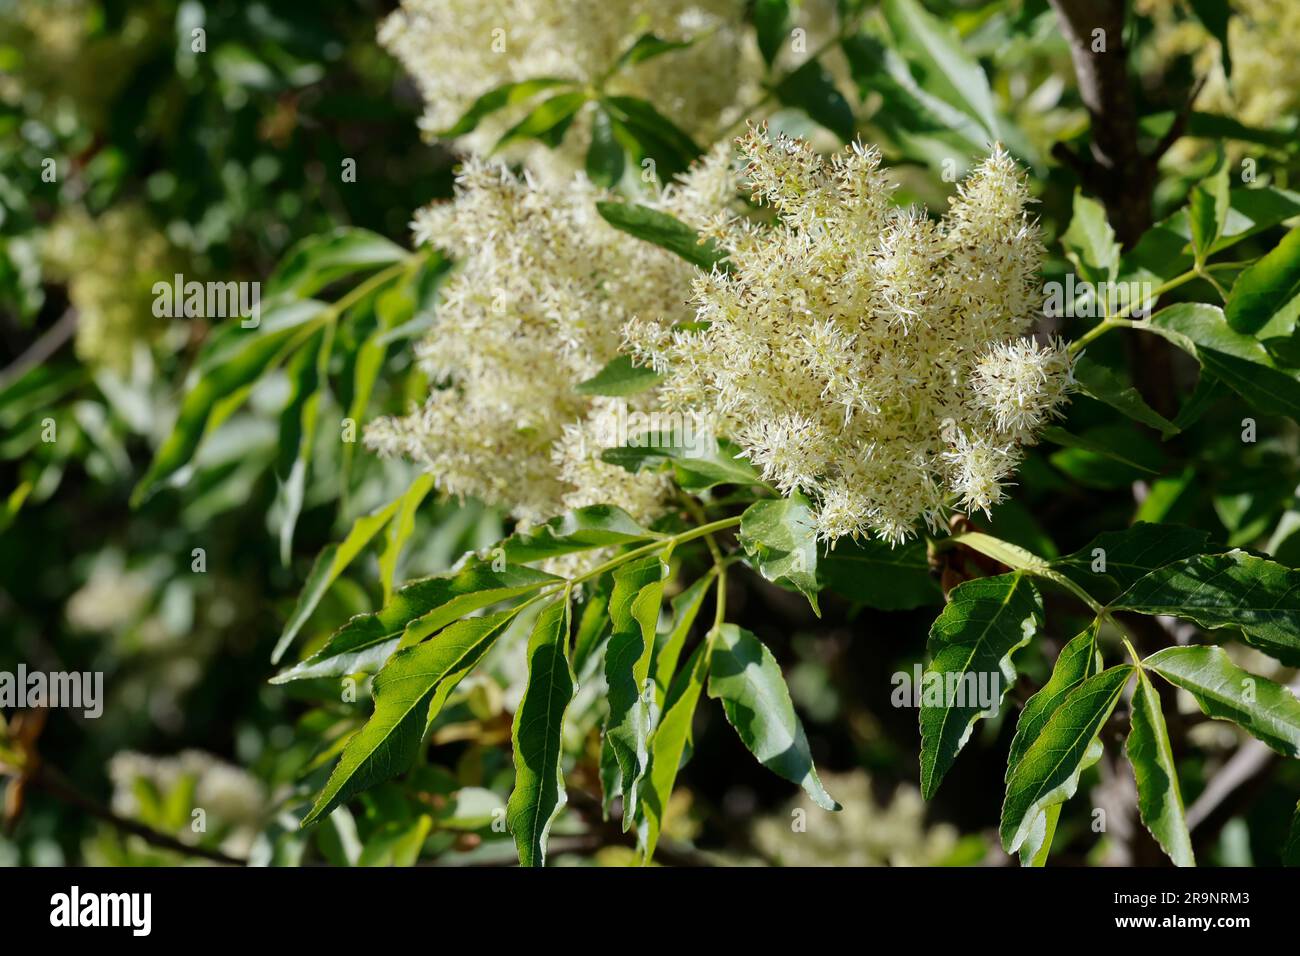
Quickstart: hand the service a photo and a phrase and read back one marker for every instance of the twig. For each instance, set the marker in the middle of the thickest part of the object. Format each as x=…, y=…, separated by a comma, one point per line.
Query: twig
x=54, y=783
x=49, y=343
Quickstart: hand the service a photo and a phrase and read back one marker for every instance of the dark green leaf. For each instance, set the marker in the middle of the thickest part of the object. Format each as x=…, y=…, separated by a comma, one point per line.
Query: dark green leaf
x=876, y=574
x=605, y=154
x=655, y=135
x=647, y=47
x=781, y=537
x=985, y=622
x=1106, y=385
x=664, y=231
x=537, y=735
x=811, y=88
x=1207, y=211
x=771, y=22
x=745, y=676
x=1235, y=589
x=1114, y=561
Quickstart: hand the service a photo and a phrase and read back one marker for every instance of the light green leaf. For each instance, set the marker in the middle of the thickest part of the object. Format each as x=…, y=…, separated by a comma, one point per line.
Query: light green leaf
x=634, y=609
x=548, y=122
x=745, y=676
x=1048, y=774
x=307, y=370
x=619, y=378
x=686, y=608
x=1266, y=288
x=1077, y=662
x=416, y=610
x=943, y=68
x=1235, y=589
x=985, y=622
x=667, y=747
x=409, y=692
x=1224, y=691
x=212, y=399
x=1207, y=210
x=319, y=261
x=537, y=735
x=1160, y=803
x=647, y=47
x=596, y=526
x=400, y=530
x=663, y=230
x=1090, y=241
x=781, y=537
x=335, y=558
x=508, y=94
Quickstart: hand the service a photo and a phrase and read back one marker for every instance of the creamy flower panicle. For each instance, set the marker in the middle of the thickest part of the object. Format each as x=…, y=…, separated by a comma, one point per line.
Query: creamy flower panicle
x=865, y=355
x=542, y=290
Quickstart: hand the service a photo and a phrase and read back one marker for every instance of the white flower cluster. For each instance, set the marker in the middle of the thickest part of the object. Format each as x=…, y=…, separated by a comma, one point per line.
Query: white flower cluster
x=866, y=355
x=457, y=50
x=537, y=305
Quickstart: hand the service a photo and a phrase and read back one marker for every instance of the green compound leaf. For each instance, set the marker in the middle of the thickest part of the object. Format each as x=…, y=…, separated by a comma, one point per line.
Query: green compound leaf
x=1077, y=662
x=984, y=623
x=745, y=676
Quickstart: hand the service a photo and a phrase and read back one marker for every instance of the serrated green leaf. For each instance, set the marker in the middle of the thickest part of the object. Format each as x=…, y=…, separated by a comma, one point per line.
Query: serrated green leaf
x=1160, y=802
x=620, y=377
x=941, y=65
x=1266, y=288
x=985, y=622
x=596, y=526
x=1048, y=774
x=335, y=558
x=634, y=609
x=1077, y=662
x=1239, y=361
x=876, y=574
x=1223, y=690
x=781, y=537
x=686, y=608
x=663, y=230
x=667, y=747
x=745, y=676
x=1114, y=561
x=1234, y=589
x=416, y=610
x=409, y=692
x=537, y=735
x=507, y=94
